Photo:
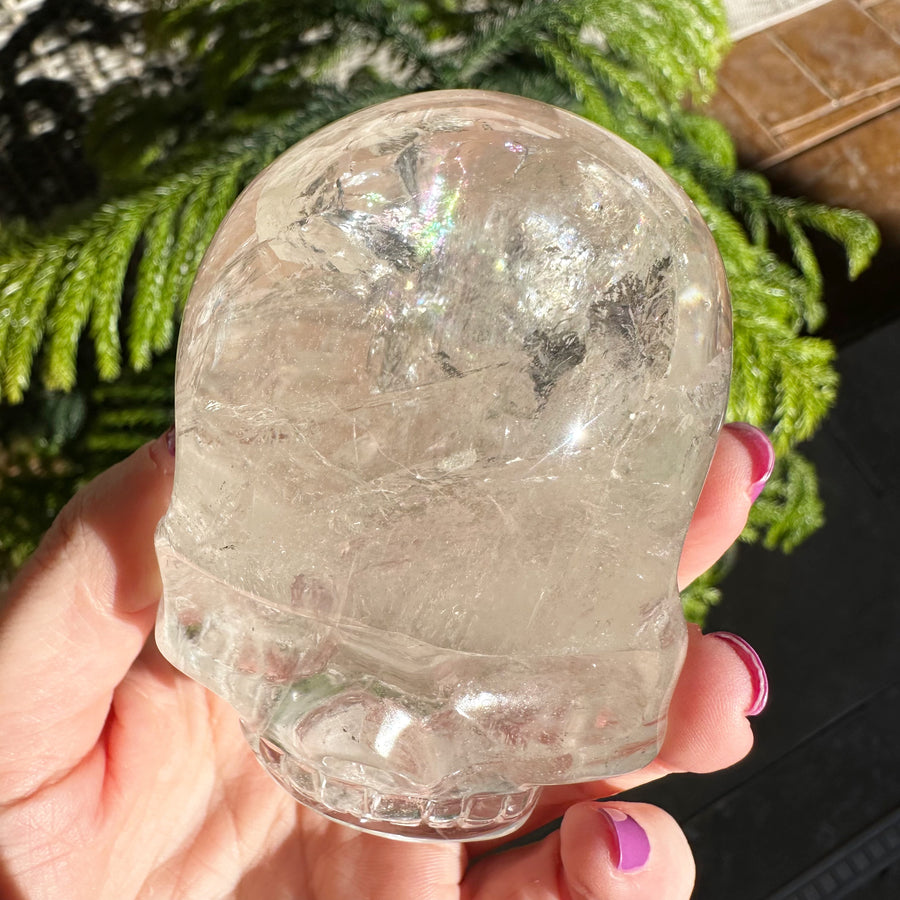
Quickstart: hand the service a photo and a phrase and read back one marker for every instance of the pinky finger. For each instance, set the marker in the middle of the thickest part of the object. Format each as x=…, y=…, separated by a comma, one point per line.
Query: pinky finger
x=603, y=851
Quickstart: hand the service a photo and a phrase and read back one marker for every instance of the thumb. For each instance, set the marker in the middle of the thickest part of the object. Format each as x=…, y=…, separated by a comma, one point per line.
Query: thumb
x=76, y=617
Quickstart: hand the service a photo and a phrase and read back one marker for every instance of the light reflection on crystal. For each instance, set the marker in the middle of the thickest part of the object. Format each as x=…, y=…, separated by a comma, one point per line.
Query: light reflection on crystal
x=393, y=725
x=479, y=702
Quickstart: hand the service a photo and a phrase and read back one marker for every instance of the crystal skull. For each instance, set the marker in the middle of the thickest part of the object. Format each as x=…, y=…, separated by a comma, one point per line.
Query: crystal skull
x=449, y=381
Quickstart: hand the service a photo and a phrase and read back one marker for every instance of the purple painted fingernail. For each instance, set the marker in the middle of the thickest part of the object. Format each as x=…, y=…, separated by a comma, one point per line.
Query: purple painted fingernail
x=631, y=846
x=761, y=452
x=750, y=658
x=170, y=440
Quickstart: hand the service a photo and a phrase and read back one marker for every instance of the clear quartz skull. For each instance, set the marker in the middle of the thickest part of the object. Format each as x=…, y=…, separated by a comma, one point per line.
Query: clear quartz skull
x=449, y=381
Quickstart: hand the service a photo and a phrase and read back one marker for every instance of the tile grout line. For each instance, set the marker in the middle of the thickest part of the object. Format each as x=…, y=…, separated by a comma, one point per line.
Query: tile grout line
x=750, y=114
x=798, y=62
x=825, y=136
x=846, y=102
x=867, y=12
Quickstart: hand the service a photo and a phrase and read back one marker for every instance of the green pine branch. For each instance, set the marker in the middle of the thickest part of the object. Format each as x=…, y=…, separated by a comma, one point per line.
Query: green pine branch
x=54, y=286
x=790, y=508
x=704, y=592
x=70, y=280
x=96, y=294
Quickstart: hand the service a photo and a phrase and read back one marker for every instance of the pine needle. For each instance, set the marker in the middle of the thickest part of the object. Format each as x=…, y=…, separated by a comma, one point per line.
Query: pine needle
x=28, y=312
x=156, y=260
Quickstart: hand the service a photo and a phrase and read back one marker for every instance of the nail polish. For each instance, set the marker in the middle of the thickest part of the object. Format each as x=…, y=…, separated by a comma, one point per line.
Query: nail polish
x=761, y=451
x=750, y=658
x=631, y=846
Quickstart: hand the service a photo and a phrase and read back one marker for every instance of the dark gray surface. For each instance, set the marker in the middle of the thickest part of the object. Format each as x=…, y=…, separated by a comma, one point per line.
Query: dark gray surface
x=826, y=621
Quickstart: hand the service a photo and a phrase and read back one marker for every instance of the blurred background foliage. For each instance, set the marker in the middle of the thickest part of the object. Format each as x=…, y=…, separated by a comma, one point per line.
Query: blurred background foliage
x=128, y=127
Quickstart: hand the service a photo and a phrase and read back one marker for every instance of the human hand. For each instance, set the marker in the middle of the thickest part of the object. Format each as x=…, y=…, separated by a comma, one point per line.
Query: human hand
x=121, y=778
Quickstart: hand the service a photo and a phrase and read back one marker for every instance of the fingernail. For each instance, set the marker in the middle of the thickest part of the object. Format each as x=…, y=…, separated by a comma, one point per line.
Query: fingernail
x=631, y=846
x=170, y=440
x=761, y=452
x=751, y=660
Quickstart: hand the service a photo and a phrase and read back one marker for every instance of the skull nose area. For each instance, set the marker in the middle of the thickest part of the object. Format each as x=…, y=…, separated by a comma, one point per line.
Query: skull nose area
x=365, y=733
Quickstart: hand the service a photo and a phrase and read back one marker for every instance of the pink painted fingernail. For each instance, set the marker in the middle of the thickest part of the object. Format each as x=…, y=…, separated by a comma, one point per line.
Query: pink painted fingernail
x=631, y=846
x=170, y=440
x=761, y=452
x=750, y=658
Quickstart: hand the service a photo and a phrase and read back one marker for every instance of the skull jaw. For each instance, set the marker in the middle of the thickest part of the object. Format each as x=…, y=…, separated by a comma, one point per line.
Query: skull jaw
x=366, y=754
x=414, y=741
x=410, y=815
x=403, y=816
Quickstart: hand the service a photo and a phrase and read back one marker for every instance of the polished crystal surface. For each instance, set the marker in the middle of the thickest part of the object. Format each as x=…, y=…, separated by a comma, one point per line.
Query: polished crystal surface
x=449, y=381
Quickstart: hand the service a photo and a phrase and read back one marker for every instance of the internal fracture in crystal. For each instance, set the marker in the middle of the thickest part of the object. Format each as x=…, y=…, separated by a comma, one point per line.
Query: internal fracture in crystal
x=449, y=382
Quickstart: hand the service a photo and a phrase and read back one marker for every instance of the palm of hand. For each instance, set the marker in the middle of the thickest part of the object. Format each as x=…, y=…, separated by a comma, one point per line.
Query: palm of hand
x=171, y=803
x=139, y=783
